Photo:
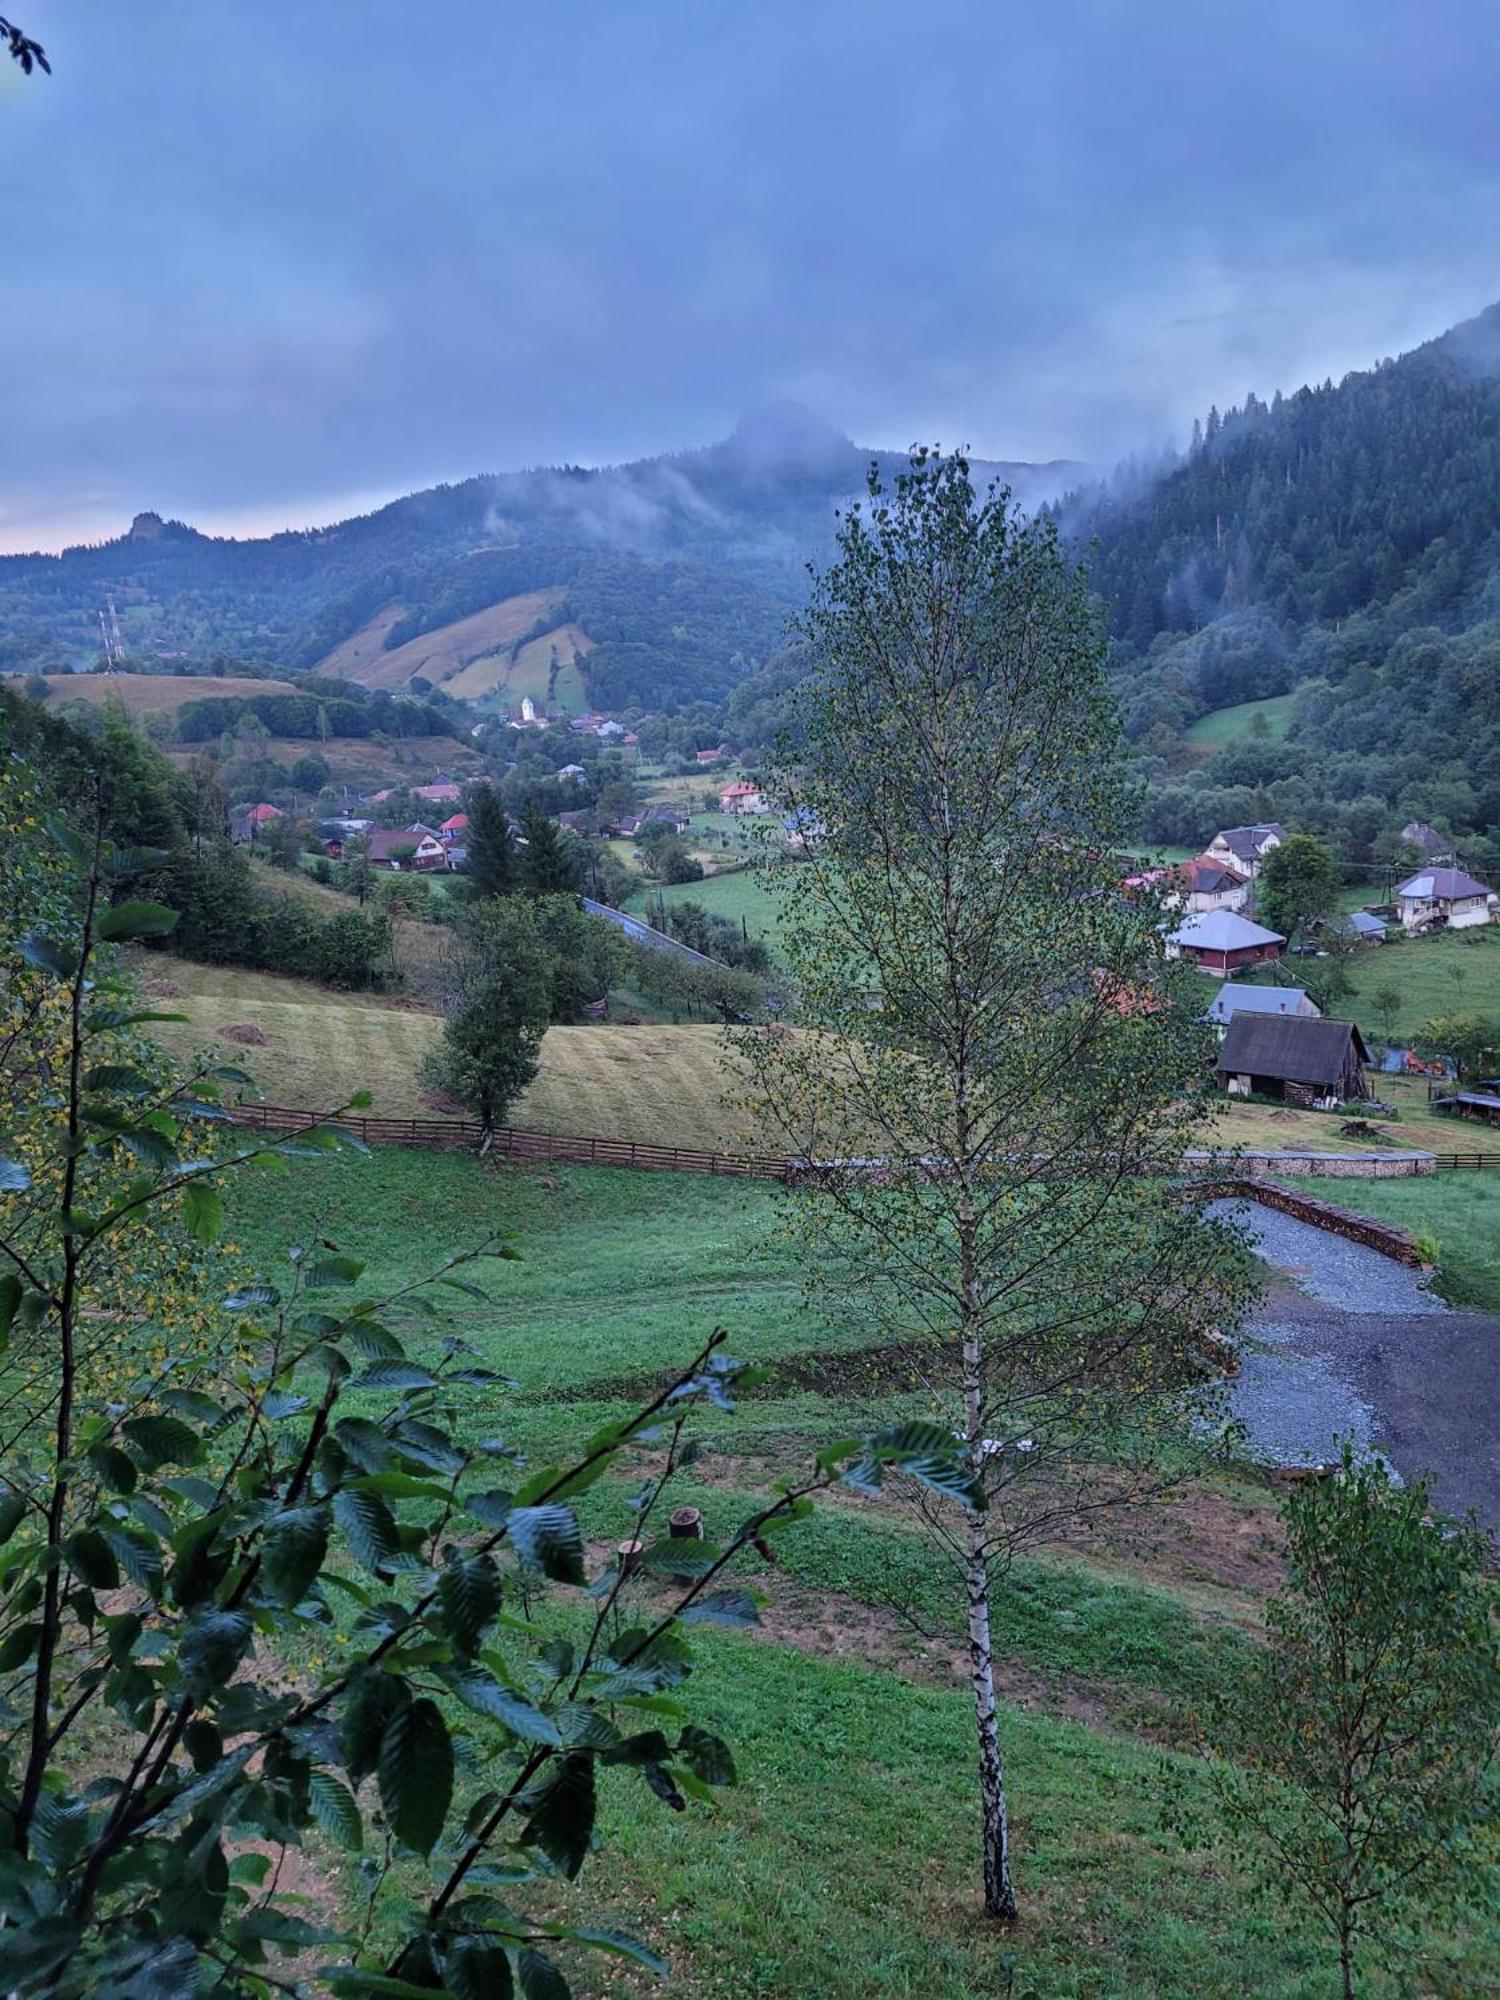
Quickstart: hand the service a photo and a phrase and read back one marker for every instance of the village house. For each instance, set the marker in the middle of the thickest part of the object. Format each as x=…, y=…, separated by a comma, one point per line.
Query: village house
x=1442, y=896
x=1222, y=941
x=1244, y=848
x=742, y=797
x=1206, y=883
x=1433, y=846
x=1365, y=927
x=441, y=792
x=252, y=820
x=398, y=847
x=571, y=773
x=1231, y=1001
x=711, y=756
x=1295, y=1058
x=455, y=827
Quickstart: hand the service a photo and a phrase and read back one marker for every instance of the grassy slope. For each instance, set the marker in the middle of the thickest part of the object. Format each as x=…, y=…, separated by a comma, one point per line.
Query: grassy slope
x=1420, y=971
x=741, y=896
x=438, y=653
x=1263, y=1126
x=529, y=673
x=155, y=694
x=658, y=1085
x=367, y=761
x=1233, y=725
x=843, y=1864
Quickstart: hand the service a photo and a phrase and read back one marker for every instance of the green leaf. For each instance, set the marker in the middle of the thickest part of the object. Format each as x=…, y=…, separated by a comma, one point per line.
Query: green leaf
x=333, y=1271
x=203, y=1211
x=468, y=1598
x=115, y=1468
x=160, y=1439
x=493, y=1508
x=369, y=1527
x=394, y=1375
x=15, y=1178
x=150, y=1148
x=550, y=1538
x=92, y=1560
x=140, y=1558
x=335, y=1811
x=211, y=1650
x=479, y=1969
x=17, y=1647
x=249, y=1297
x=621, y=1944
x=708, y=1757
x=415, y=1774
x=373, y=1698
x=12, y=1512
x=10, y=1284
x=47, y=955
x=722, y=1607
x=562, y=1813
x=483, y=1693
x=540, y=1978
x=372, y=1342
x=135, y=920
x=292, y=1552
x=928, y=1453
x=365, y=1443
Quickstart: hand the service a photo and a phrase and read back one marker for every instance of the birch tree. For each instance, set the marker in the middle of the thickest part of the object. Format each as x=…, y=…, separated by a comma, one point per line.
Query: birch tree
x=992, y=1055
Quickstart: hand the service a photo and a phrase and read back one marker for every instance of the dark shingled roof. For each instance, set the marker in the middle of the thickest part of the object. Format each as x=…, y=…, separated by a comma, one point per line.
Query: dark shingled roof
x=1293, y=1047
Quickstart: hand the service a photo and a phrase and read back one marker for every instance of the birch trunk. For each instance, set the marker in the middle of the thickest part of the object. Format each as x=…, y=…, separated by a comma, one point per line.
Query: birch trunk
x=999, y=1889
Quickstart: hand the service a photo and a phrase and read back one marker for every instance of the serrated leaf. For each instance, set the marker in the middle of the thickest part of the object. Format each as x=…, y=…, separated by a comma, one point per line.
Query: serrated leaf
x=92, y=1560
x=394, y=1375
x=211, y=1650
x=468, y=1594
x=335, y=1811
x=479, y=1969
x=428, y=1446
x=483, y=1693
x=562, y=1813
x=292, y=1552
x=372, y=1342
x=372, y=1699
x=369, y=1526
x=549, y=1537
x=365, y=1443
x=493, y=1507
x=415, y=1774
x=540, y=1978
x=47, y=955
x=338, y=1270
x=203, y=1212
x=140, y=1558
x=159, y=1439
x=621, y=1944
x=708, y=1757
x=722, y=1607
x=135, y=920
x=249, y=1297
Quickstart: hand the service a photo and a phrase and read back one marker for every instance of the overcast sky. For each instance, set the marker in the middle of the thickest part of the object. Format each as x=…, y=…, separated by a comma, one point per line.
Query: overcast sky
x=272, y=263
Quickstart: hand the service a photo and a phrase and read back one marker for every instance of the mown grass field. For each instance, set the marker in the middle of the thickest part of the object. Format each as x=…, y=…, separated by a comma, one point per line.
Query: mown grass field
x=1232, y=725
x=843, y=1863
x=362, y=762
x=1282, y=1129
x=1451, y=972
x=659, y=1085
x=155, y=694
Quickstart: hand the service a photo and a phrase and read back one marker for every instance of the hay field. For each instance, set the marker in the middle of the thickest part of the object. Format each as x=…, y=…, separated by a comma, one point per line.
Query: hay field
x=156, y=694
x=438, y=654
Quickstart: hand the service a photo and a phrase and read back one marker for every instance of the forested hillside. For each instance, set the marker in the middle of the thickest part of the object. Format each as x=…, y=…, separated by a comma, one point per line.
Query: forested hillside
x=1338, y=546
x=680, y=570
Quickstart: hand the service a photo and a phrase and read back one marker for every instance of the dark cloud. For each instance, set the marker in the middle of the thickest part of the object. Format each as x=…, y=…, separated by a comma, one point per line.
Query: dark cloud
x=261, y=260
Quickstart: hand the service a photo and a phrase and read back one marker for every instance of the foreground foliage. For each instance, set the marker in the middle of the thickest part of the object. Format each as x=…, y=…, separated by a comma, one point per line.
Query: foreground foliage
x=275, y=1591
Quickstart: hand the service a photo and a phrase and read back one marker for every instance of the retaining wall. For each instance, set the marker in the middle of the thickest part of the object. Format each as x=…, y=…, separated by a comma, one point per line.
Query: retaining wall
x=1381, y=1236
x=1330, y=1166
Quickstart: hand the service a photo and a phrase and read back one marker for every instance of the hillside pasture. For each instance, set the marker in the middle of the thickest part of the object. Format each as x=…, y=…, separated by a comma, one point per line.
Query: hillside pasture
x=740, y=895
x=1224, y=726
x=155, y=694
x=530, y=673
x=1450, y=972
x=361, y=762
x=444, y=652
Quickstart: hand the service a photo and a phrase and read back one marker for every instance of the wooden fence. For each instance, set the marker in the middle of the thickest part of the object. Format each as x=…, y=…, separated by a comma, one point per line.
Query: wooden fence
x=509, y=1143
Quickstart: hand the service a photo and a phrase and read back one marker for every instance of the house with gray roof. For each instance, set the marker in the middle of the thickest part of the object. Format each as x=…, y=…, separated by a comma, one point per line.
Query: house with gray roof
x=1436, y=898
x=1292, y=1057
x=1246, y=847
x=1232, y=1000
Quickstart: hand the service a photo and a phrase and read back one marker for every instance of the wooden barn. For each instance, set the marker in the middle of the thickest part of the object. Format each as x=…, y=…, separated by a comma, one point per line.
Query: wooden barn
x=1295, y=1057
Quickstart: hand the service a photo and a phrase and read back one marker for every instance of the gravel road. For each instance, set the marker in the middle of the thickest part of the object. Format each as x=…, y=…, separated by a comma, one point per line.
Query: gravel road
x=1358, y=1345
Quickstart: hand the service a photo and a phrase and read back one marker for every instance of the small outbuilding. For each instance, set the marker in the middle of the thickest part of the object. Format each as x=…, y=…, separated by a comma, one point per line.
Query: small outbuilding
x=1231, y=1000
x=1222, y=941
x=1294, y=1057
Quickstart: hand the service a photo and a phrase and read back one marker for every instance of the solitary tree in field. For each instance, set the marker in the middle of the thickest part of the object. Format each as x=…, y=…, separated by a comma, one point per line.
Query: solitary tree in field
x=1363, y=1737
x=498, y=1013
x=995, y=1052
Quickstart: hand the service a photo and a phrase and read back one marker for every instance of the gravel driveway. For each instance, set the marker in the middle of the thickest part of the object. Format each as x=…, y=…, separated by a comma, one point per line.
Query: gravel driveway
x=1356, y=1344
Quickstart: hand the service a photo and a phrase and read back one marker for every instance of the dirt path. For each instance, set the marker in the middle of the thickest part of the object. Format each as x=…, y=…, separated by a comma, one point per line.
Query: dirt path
x=1358, y=1345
